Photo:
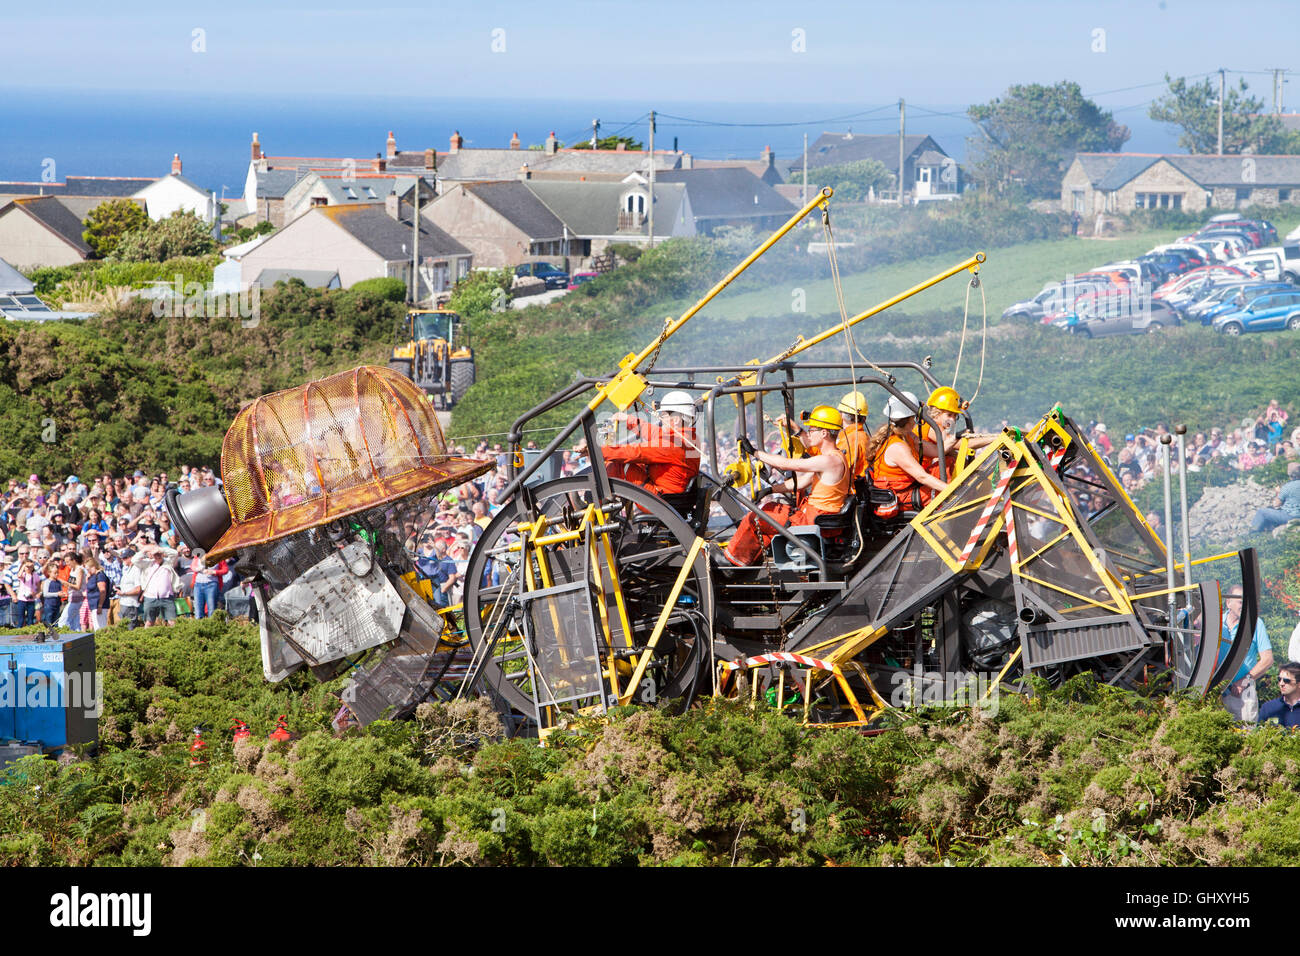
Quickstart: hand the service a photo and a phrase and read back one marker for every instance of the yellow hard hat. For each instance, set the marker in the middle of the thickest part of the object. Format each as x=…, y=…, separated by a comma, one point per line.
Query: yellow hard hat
x=854, y=403
x=823, y=416
x=945, y=399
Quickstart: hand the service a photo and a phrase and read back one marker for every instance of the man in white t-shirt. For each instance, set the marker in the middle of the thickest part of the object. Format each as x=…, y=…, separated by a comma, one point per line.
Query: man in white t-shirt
x=129, y=591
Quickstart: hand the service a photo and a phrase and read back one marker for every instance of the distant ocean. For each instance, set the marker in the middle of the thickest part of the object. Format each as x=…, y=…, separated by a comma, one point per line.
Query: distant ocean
x=136, y=133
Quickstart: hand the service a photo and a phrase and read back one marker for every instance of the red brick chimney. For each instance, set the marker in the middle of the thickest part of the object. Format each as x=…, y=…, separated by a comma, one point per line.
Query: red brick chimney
x=257, y=148
x=392, y=145
x=457, y=141
x=378, y=164
x=514, y=141
x=430, y=160
x=176, y=164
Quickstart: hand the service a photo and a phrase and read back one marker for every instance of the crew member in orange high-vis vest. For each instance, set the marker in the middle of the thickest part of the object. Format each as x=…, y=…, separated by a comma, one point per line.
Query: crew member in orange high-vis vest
x=824, y=474
x=854, y=439
x=945, y=406
x=896, y=466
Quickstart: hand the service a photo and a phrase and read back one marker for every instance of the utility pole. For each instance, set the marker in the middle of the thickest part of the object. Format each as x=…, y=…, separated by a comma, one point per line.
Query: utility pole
x=652, y=179
x=805, y=169
x=595, y=132
x=415, y=243
x=901, y=127
x=1220, y=111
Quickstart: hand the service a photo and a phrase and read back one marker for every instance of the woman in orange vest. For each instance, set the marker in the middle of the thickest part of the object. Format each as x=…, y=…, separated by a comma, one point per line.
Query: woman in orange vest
x=944, y=405
x=896, y=466
x=825, y=474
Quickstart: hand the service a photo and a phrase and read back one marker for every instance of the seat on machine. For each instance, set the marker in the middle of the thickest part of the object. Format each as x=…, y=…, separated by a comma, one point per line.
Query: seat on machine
x=691, y=504
x=828, y=535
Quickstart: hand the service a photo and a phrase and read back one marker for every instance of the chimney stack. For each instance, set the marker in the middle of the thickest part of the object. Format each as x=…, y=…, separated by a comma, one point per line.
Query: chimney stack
x=457, y=141
x=552, y=144
x=430, y=159
x=176, y=164
x=393, y=206
x=378, y=164
x=514, y=141
x=257, y=148
x=621, y=147
x=392, y=145
x=768, y=157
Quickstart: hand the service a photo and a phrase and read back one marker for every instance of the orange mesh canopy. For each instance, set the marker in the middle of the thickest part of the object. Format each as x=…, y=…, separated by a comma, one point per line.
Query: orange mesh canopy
x=306, y=456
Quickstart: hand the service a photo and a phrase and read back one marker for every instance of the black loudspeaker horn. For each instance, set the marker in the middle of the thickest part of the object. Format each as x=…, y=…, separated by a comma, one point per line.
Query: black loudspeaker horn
x=201, y=517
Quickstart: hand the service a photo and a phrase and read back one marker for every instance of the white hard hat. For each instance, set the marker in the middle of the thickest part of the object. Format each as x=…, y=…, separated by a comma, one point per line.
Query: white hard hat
x=679, y=403
x=895, y=409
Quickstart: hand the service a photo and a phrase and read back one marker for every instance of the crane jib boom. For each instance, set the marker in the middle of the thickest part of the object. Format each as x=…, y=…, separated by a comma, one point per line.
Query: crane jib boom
x=802, y=344
x=626, y=385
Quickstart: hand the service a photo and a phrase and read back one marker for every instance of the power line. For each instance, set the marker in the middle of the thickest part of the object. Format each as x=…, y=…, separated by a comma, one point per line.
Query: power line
x=810, y=122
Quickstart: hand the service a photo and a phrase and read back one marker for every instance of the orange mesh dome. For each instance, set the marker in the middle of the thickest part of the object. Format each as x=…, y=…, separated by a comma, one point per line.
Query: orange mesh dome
x=306, y=456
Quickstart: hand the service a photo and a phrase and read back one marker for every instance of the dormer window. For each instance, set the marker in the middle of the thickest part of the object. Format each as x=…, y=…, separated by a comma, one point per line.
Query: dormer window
x=634, y=203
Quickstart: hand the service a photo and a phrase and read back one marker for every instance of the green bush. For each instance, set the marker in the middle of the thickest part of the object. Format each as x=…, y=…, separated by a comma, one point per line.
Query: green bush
x=180, y=234
x=386, y=290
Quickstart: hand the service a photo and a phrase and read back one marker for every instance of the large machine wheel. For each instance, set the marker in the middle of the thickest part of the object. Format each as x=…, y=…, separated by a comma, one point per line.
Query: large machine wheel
x=401, y=366
x=462, y=377
x=650, y=545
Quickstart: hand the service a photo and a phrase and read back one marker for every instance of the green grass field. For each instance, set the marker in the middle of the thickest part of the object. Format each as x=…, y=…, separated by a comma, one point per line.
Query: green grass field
x=1012, y=273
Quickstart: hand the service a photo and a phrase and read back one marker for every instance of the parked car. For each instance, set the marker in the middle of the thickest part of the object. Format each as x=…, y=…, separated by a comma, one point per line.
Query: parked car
x=1266, y=313
x=1223, y=299
x=1054, y=298
x=554, y=278
x=578, y=278
x=1117, y=312
x=1196, y=280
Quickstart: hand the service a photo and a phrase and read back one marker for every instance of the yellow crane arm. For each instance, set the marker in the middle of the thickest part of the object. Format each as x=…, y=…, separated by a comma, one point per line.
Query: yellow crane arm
x=626, y=386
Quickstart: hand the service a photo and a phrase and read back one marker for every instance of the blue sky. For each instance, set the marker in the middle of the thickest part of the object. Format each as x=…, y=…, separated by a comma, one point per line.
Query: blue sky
x=937, y=53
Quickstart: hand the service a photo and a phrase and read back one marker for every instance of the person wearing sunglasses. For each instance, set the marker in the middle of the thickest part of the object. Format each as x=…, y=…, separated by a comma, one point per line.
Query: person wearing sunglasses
x=1285, y=709
x=1241, y=698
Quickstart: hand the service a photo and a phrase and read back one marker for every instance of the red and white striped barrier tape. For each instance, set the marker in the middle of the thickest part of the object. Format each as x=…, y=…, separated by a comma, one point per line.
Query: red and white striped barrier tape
x=1003, y=481
x=779, y=657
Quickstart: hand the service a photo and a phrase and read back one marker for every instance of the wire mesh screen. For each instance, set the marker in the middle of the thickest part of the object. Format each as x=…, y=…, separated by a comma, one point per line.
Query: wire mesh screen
x=562, y=625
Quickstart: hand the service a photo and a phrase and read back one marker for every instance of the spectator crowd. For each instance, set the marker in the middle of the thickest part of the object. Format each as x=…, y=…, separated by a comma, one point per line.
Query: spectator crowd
x=1255, y=442
x=85, y=555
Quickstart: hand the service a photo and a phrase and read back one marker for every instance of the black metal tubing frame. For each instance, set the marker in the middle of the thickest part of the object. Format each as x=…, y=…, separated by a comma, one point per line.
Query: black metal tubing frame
x=586, y=419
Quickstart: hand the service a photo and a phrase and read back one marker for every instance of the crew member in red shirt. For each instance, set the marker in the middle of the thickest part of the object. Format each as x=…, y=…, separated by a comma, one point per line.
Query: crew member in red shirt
x=663, y=458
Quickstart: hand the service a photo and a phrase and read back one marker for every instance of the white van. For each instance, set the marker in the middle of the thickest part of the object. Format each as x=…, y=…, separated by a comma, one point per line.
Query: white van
x=1273, y=262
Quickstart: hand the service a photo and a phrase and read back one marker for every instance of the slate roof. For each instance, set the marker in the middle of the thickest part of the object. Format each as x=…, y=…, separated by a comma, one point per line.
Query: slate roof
x=387, y=237
x=832, y=149
x=516, y=203
x=1124, y=170
x=80, y=206
x=1230, y=170
x=727, y=193
x=106, y=185
x=274, y=183
x=56, y=217
x=491, y=163
x=591, y=208
x=1110, y=171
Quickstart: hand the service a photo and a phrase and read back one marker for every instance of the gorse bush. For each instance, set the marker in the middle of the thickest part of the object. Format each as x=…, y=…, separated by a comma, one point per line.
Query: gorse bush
x=1084, y=774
